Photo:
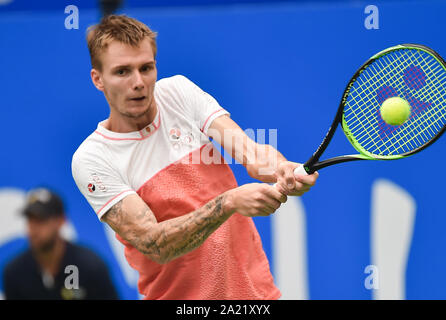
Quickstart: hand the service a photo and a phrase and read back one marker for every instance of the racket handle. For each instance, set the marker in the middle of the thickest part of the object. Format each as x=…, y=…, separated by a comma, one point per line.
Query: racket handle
x=301, y=170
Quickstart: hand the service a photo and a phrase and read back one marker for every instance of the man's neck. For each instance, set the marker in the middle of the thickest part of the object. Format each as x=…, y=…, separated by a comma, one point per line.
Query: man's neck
x=121, y=123
x=49, y=261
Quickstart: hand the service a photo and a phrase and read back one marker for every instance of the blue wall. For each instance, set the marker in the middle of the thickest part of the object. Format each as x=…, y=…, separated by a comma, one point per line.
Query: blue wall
x=279, y=67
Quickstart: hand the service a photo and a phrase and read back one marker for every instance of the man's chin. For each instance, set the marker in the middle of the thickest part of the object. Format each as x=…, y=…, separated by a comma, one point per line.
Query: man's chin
x=136, y=112
x=43, y=247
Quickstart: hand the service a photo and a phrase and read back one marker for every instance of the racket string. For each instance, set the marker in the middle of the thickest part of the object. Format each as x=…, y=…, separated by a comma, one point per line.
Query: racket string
x=412, y=74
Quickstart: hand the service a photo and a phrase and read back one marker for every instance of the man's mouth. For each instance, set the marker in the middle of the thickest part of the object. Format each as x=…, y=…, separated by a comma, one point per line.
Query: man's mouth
x=138, y=98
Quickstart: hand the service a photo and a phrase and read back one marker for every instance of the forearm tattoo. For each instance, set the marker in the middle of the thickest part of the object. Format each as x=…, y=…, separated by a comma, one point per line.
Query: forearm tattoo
x=169, y=239
x=183, y=234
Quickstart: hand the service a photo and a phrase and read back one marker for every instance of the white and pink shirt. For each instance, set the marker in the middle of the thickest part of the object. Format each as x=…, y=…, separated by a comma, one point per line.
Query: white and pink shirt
x=172, y=165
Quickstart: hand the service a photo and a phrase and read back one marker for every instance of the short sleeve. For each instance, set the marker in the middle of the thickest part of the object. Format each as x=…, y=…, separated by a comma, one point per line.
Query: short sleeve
x=203, y=107
x=99, y=183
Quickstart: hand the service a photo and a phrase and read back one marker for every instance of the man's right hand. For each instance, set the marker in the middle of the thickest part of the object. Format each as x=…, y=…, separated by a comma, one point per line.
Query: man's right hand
x=254, y=199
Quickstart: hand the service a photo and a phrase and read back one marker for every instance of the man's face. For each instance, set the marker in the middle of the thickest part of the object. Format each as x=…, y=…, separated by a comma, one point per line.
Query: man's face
x=127, y=78
x=43, y=233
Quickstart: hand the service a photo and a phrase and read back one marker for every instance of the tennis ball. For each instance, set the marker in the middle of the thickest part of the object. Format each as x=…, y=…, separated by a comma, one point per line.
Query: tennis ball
x=395, y=111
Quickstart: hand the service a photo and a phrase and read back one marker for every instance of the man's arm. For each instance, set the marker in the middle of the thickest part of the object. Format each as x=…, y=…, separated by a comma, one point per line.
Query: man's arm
x=262, y=162
x=133, y=220
x=162, y=242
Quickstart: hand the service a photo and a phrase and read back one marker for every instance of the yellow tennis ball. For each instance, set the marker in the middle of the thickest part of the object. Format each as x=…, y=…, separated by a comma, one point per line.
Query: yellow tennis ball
x=395, y=111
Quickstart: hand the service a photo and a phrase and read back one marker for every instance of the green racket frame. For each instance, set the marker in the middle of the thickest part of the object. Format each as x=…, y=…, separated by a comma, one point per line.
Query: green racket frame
x=314, y=164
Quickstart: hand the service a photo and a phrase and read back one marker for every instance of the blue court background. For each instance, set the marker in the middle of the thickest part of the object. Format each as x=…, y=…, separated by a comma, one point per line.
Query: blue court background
x=273, y=66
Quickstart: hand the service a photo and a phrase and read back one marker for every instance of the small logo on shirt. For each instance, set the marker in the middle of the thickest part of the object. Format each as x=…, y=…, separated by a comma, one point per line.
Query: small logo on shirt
x=174, y=134
x=96, y=182
x=188, y=139
x=178, y=139
x=91, y=187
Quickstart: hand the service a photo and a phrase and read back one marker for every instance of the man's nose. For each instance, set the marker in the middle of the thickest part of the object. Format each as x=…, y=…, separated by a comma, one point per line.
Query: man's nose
x=138, y=83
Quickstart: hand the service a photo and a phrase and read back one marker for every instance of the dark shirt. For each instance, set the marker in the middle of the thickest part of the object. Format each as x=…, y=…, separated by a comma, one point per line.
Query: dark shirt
x=23, y=279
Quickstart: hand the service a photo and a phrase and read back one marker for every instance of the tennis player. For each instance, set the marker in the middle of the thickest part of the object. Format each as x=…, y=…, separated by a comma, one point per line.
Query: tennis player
x=151, y=173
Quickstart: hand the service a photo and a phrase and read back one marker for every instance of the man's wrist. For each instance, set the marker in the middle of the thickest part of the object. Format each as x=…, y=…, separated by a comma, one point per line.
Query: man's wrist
x=228, y=203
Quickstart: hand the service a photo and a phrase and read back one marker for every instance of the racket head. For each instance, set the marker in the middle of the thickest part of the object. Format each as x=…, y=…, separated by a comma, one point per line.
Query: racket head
x=413, y=72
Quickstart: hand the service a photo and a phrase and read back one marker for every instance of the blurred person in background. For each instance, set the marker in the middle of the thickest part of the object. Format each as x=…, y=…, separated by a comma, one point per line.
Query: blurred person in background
x=53, y=268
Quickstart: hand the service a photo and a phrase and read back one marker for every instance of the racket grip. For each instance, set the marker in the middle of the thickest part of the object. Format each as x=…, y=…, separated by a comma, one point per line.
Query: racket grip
x=301, y=170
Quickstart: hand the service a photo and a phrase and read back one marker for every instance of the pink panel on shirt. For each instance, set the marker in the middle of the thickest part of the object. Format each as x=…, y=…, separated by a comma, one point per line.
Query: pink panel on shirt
x=230, y=264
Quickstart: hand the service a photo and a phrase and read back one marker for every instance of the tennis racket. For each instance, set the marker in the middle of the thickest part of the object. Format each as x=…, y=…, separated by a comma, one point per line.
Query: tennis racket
x=410, y=71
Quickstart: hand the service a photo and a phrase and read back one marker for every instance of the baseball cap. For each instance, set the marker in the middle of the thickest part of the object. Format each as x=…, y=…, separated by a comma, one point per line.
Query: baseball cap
x=43, y=203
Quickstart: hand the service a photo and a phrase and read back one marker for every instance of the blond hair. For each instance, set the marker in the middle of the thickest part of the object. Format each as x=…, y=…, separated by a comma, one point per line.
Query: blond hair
x=120, y=28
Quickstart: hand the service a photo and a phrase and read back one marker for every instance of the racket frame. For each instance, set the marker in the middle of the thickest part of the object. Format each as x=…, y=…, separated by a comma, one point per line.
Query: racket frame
x=313, y=164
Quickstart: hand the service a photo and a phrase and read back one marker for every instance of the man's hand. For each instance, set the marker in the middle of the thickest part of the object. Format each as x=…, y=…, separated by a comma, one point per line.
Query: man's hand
x=254, y=199
x=290, y=184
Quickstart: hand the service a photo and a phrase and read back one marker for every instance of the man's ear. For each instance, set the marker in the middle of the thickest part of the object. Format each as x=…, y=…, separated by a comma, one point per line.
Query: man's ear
x=97, y=79
x=61, y=221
